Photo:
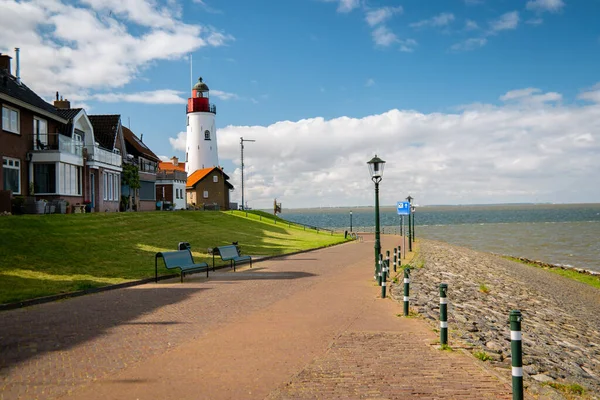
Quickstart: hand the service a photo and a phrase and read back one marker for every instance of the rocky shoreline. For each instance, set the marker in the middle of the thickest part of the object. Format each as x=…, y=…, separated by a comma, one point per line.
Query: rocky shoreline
x=561, y=322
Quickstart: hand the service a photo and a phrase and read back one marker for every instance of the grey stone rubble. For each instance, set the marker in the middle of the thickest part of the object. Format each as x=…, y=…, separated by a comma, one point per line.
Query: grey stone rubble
x=561, y=322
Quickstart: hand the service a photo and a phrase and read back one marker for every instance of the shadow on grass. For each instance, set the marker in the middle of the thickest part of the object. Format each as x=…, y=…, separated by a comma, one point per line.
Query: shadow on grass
x=59, y=326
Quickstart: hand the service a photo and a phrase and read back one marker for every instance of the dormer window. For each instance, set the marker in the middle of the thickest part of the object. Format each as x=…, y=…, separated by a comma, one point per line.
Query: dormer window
x=206, y=135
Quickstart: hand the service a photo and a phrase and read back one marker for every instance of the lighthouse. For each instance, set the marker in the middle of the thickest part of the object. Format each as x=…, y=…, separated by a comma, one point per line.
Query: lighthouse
x=201, y=144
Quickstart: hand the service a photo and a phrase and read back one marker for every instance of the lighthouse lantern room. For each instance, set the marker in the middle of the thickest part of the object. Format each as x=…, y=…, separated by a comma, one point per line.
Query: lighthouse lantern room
x=201, y=142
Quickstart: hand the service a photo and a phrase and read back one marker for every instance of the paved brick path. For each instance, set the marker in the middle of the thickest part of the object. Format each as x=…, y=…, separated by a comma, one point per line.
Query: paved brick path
x=304, y=326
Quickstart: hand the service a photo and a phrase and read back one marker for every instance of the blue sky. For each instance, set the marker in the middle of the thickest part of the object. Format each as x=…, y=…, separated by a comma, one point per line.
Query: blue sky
x=469, y=101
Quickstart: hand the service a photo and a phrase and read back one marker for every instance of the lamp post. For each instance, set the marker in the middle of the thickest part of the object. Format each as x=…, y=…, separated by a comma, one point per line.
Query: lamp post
x=409, y=199
x=350, y=221
x=412, y=211
x=376, y=165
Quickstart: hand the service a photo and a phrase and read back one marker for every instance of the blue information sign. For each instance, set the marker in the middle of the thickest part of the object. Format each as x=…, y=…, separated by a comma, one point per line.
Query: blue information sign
x=403, y=208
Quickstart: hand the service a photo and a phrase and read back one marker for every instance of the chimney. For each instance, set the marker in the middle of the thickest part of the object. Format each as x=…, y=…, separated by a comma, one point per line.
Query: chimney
x=175, y=161
x=18, y=75
x=62, y=104
x=5, y=62
x=142, y=137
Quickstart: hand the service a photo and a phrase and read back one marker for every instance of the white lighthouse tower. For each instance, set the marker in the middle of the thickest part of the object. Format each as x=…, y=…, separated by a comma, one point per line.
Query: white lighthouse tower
x=201, y=144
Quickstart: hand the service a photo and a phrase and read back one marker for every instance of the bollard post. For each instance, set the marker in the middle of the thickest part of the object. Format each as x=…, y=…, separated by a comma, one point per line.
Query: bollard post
x=379, y=268
x=400, y=255
x=443, y=314
x=384, y=278
x=406, y=289
x=387, y=260
x=395, y=259
x=516, y=354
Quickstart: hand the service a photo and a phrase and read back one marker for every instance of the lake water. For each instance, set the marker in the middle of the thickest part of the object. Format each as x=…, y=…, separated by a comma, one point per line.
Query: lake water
x=565, y=234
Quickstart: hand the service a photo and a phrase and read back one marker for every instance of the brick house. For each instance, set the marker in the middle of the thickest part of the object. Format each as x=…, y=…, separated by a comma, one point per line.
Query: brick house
x=140, y=155
x=104, y=163
x=40, y=155
x=209, y=188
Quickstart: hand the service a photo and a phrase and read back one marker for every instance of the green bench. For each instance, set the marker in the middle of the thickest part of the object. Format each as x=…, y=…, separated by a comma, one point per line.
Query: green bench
x=230, y=253
x=181, y=259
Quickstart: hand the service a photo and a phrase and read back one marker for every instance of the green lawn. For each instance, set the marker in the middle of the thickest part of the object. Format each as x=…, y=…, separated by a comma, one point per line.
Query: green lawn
x=43, y=255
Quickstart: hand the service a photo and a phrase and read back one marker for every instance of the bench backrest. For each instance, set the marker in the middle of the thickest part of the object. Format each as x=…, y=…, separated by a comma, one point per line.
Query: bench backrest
x=176, y=258
x=228, y=251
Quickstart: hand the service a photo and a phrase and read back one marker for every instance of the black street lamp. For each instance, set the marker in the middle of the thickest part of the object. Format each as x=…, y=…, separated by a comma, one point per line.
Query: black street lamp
x=350, y=221
x=376, y=165
x=409, y=199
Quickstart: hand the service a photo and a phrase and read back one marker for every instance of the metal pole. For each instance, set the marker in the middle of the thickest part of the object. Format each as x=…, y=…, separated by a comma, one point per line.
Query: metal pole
x=242, y=146
x=384, y=276
x=377, y=241
x=401, y=223
x=350, y=221
x=443, y=314
x=406, y=290
x=395, y=259
x=516, y=354
x=413, y=227
x=409, y=234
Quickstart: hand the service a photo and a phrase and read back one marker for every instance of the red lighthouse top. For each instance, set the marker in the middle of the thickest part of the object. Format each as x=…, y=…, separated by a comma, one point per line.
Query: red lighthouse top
x=199, y=100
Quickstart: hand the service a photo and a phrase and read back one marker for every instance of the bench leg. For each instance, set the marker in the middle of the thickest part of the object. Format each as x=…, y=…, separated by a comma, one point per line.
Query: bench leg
x=232, y=264
x=155, y=269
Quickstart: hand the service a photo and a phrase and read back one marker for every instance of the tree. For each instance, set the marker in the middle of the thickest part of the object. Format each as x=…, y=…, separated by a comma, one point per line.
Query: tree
x=131, y=178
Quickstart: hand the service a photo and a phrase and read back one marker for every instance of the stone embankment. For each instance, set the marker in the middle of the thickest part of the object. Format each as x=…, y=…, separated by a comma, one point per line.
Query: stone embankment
x=561, y=318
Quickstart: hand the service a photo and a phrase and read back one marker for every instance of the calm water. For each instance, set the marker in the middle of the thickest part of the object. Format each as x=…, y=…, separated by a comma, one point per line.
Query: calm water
x=557, y=234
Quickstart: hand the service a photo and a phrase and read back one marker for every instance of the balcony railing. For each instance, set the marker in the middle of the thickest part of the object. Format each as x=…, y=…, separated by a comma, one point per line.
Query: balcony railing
x=56, y=141
x=172, y=175
x=211, y=108
x=99, y=154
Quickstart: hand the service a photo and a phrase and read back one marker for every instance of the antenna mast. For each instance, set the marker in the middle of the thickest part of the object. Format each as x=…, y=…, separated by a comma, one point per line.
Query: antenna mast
x=242, y=140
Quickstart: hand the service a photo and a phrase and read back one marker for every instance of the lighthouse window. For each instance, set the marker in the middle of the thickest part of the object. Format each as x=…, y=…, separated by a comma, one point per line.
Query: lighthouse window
x=215, y=178
x=206, y=135
x=188, y=121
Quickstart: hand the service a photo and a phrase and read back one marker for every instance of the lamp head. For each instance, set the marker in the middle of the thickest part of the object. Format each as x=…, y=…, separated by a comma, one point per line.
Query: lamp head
x=376, y=165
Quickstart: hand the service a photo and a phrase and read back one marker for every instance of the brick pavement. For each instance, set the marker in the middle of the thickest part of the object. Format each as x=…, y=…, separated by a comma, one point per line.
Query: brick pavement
x=302, y=326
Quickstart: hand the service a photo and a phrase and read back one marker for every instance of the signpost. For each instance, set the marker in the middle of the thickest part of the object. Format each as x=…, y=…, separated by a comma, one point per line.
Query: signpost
x=403, y=208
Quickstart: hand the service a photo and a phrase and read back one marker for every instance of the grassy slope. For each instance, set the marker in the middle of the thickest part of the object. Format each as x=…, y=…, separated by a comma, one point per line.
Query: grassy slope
x=591, y=280
x=42, y=255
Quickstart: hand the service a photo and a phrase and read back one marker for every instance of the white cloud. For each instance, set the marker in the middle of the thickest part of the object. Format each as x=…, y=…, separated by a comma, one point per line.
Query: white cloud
x=345, y=6
x=382, y=36
x=178, y=143
x=377, y=16
x=224, y=95
x=99, y=45
x=531, y=96
x=592, y=94
x=442, y=19
x=523, y=153
x=545, y=5
x=507, y=21
x=166, y=96
x=469, y=44
x=471, y=25
x=535, y=21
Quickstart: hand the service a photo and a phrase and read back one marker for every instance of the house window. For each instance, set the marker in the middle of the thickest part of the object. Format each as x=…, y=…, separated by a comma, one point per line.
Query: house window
x=40, y=133
x=116, y=187
x=206, y=194
x=111, y=185
x=70, y=179
x=206, y=135
x=10, y=119
x=44, y=178
x=215, y=178
x=147, y=190
x=105, y=187
x=11, y=174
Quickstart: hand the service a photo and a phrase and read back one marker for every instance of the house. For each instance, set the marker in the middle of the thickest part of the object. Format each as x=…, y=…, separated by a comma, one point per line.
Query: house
x=40, y=154
x=137, y=153
x=104, y=162
x=171, y=181
x=209, y=188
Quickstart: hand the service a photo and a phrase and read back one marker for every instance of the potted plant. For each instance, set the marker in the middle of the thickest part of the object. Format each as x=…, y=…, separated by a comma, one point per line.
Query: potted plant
x=40, y=206
x=88, y=206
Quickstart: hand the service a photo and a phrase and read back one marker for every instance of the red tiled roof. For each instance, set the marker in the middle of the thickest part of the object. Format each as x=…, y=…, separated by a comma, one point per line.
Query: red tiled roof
x=168, y=166
x=198, y=175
